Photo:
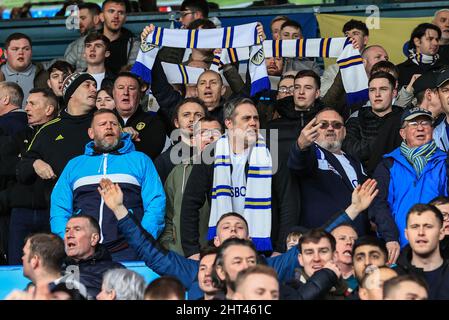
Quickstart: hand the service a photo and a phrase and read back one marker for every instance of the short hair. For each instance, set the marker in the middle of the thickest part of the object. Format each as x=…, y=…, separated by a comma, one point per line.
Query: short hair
x=422, y=94
x=122, y=2
x=420, y=208
x=127, y=284
x=93, y=223
x=94, y=36
x=219, y=259
x=204, y=23
x=370, y=271
x=356, y=24
x=383, y=75
x=188, y=100
x=94, y=9
x=325, y=109
x=230, y=106
x=102, y=111
x=257, y=269
x=314, y=236
x=309, y=73
x=49, y=247
x=107, y=86
x=278, y=18
x=370, y=241
x=233, y=214
x=386, y=66
x=287, y=76
x=293, y=24
x=420, y=31
x=391, y=284
x=345, y=224
x=127, y=74
x=206, y=118
x=368, y=48
x=14, y=91
x=164, y=287
x=438, y=12
x=61, y=65
x=196, y=5
x=52, y=99
x=213, y=72
x=17, y=36
x=206, y=251
x=439, y=200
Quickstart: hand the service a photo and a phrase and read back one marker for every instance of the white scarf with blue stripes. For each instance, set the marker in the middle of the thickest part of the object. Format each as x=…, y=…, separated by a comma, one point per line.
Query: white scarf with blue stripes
x=230, y=37
x=257, y=210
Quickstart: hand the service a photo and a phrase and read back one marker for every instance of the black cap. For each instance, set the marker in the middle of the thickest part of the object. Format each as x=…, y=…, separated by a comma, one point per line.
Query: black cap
x=72, y=82
x=412, y=113
x=428, y=80
x=443, y=76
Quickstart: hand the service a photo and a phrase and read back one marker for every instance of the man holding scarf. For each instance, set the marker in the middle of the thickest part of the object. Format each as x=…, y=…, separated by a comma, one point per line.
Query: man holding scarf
x=415, y=172
x=423, y=47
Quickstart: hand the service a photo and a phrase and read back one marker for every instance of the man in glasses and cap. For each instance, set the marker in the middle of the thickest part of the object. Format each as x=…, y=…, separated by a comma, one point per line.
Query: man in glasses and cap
x=415, y=172
x=327, y=175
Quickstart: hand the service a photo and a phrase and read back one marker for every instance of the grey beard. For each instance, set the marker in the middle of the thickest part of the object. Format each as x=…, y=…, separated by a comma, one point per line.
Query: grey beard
x=333, y=147
x=104, y=147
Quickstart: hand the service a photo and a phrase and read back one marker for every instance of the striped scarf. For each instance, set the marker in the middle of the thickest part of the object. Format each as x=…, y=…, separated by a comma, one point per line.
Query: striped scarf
x=418, y=156
x=231, y=37
x=355, y=80
x=420, y=58
x=257, y=210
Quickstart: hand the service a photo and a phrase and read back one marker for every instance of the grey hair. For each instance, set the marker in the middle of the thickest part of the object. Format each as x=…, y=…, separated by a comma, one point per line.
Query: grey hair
x=14, y=91
x=230, y=106
x=127, y=284
x=438, y=12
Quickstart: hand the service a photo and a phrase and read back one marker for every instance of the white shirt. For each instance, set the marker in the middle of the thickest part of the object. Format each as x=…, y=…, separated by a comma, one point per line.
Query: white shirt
x=98, y=78
x=238, y=180
x=350, y=172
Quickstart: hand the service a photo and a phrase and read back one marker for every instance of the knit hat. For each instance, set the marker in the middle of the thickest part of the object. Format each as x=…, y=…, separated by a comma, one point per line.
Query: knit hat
x=72, y=82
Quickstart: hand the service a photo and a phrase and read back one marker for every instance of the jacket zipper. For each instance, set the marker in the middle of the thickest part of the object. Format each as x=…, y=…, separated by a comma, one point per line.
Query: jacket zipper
x=100, y=216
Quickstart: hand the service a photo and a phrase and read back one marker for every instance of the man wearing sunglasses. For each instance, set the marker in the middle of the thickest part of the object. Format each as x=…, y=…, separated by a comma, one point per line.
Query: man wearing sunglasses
x=413, y=173
x=327, y=176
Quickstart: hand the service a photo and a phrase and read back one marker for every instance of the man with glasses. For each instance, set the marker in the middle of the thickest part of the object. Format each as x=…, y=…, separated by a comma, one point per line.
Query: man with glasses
x=413, y=173
x=327, y=176
x=192, y=10
x=365, y=139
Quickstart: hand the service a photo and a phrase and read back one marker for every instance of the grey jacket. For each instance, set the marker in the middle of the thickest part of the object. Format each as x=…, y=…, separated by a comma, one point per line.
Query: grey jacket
x=74, y=52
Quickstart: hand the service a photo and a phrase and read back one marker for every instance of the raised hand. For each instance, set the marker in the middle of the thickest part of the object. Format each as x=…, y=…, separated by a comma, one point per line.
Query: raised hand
x=261, y=32
x=362, y=197
x=146, y=31
x=133, y=132
x=113, y=197
x=309, y=134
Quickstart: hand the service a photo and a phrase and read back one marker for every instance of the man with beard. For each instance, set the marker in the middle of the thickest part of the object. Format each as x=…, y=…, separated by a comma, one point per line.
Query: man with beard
x=327, y=176
x=110, y=154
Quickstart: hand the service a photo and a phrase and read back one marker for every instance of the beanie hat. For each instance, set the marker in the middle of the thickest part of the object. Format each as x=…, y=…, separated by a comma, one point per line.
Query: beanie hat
x=72, y=82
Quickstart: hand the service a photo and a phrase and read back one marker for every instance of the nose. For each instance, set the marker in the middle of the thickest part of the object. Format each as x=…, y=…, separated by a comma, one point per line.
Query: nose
x=316, y=257
x=421, y=231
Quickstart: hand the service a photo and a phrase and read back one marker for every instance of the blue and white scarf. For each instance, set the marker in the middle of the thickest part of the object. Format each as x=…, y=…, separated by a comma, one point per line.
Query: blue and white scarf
x=230, y=37
x=257, y=210
x=418, y=156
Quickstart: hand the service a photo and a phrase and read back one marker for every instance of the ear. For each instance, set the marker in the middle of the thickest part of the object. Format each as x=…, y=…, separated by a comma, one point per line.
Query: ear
x=216, y=242
x=97, y=20
x=402, y=133
x=417, y=42
x=344, y=132
x=442, y=235
x=395, y=93
x=220, y=273
x=94, y=239
x=300, y=260
x=49, y=110
x=406, y=233
x=363, y=293
x=365, y=40
x=113, y=294
x=223, y=90
x=317, y=94
x=107, y=53
x=34, y=262
x=176, y=122
x=90, y=132
x=237, y=296
x=228, y=123
x=49, y=83
x=101, y=17
x=6, y=100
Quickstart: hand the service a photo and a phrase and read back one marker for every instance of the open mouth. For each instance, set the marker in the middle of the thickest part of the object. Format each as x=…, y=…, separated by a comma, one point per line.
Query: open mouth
x=421, y=241
x=347, y=253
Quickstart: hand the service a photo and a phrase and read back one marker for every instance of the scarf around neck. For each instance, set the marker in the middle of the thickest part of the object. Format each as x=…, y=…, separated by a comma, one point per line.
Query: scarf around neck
x=418, y=156
x=420, y=58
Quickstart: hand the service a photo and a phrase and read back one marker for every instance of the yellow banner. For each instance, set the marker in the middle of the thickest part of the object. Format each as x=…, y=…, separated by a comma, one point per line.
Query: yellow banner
x=392, y=34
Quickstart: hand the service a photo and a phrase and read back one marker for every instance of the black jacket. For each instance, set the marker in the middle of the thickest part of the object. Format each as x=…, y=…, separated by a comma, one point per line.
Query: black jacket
x=440, y=291
x=318, y=286
x=369, y=137
x=163, y=163
x=57, y=142
x=325, y=187
x=120, y=50
x=151, y=130
x=408, y=68
x=91, y=270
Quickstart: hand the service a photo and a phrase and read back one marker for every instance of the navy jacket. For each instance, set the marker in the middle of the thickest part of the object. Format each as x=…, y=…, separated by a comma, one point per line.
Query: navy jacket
x=325, y=187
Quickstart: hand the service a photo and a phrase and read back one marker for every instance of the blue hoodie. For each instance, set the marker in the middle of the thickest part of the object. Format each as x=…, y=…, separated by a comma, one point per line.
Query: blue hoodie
x=76, y=191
